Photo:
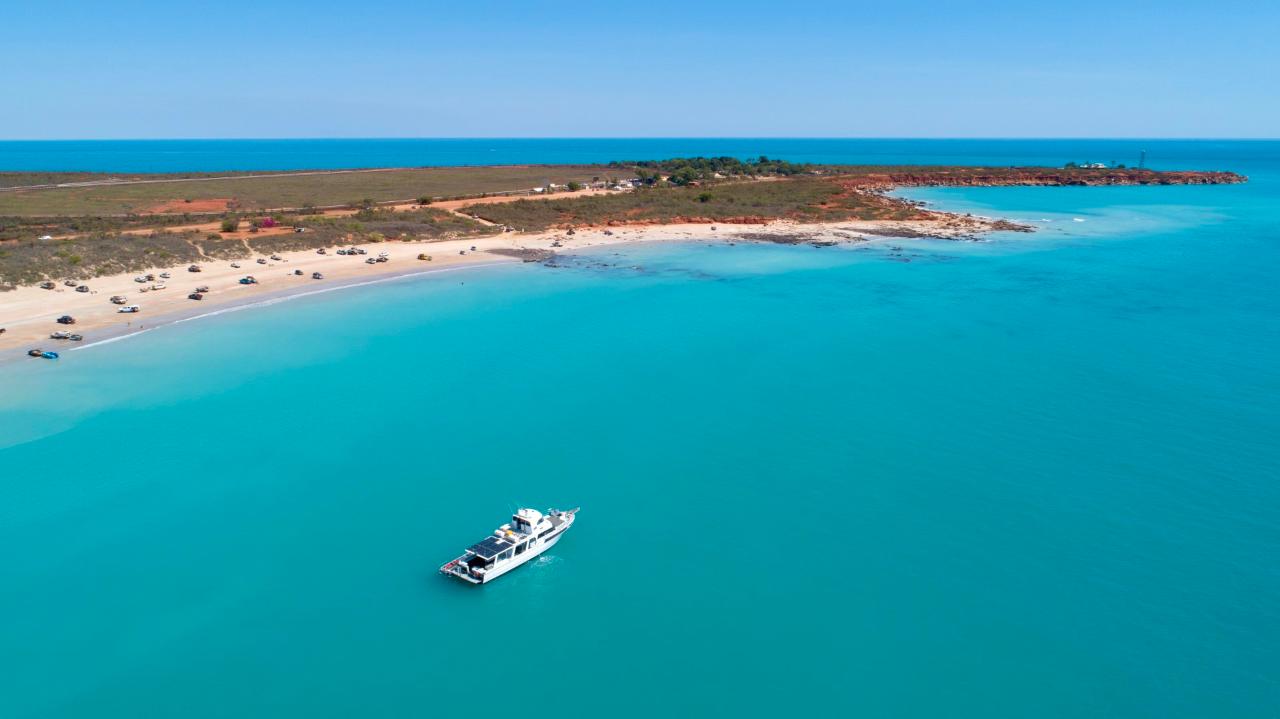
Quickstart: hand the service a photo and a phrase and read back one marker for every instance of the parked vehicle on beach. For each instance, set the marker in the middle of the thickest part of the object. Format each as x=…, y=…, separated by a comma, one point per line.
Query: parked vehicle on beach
x=66, y=320
x=250, y=280
x=529, y=534
x=321, y=251
x=203, y=289
x=42, y=353
x=195, y=296
x=118, y=299
x=129, y=309
x=70, y=283
x=82, y=288
x=47, y=285
x=261, y=261
x=235, y=265
x=195, y=268
x=59, y=335
x=164, y=275
x=317, y=276
x=424, y=256
x=371, y=261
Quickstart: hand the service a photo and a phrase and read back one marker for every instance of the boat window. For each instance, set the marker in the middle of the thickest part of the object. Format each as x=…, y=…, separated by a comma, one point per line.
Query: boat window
x=505, y=555
x=521, y=547
x=545, y=532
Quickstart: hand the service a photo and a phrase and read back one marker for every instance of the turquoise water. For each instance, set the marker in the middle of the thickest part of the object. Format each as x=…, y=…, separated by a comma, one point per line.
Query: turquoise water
x=1035, y=476
x=226, y=155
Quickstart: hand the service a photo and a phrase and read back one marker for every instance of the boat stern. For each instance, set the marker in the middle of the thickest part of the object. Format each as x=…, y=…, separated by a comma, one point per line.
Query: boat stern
x=458, y=568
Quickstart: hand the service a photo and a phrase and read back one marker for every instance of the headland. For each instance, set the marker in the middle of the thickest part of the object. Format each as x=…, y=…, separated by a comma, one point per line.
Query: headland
x=293, y=233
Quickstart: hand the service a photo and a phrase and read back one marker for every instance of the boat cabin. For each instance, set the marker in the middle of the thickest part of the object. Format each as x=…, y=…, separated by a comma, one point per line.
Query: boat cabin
x=484, y=554
x=527, y=535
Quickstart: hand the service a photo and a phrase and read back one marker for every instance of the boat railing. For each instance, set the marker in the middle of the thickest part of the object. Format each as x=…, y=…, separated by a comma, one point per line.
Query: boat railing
x=459, y=569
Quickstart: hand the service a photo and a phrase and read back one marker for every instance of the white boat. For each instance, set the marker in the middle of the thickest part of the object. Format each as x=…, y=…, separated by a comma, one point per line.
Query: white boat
x=529, y=534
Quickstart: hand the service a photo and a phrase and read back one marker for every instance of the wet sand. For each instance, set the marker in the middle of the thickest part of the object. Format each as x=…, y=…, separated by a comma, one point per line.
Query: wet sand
x=29, y=313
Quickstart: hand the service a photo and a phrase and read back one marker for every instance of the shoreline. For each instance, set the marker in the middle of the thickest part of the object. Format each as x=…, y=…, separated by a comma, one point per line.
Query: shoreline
x=28, y=313
x=115, y=333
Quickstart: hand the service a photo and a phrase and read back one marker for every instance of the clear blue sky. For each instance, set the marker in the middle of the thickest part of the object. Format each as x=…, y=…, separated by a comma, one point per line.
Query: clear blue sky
x=639, y=68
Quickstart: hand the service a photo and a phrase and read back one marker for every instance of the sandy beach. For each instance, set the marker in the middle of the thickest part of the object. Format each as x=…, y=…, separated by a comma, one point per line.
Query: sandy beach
x=29, y=314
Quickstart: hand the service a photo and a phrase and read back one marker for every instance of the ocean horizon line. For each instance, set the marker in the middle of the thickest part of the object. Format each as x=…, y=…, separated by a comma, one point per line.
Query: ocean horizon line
x=477, y=138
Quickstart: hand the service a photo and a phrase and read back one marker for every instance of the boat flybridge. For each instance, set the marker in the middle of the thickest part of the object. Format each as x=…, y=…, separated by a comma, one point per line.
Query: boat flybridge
x=529, y=534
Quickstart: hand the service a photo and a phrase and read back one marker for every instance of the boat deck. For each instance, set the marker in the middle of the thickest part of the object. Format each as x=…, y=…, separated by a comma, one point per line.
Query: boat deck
x=456, y=569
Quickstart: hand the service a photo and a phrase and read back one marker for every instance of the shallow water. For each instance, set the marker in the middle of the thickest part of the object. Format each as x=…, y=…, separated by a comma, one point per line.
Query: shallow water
x=1031, y=476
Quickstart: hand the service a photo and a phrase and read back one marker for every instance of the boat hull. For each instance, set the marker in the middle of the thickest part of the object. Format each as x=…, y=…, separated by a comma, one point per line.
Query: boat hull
x=459, y=570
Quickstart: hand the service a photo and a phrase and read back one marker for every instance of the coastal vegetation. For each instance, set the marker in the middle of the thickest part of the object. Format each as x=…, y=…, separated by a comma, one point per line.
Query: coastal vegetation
x=98, y=254
x=684, y=171
x=80, y=232
x=167, y=194
x=32, y=262
x=801, y=199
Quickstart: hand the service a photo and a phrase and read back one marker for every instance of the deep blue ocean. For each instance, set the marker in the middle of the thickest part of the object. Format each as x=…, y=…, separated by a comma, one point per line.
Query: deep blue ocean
x=229, y=155
x=1033, y=476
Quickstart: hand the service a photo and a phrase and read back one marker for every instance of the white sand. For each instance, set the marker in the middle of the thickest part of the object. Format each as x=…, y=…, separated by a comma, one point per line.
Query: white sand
x=29, y=313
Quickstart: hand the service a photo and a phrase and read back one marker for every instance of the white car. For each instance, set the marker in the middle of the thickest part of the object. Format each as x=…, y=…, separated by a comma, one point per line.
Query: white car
x=128, y=309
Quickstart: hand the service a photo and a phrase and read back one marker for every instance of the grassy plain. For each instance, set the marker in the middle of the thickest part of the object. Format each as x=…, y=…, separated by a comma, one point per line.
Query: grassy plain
x=285, y=191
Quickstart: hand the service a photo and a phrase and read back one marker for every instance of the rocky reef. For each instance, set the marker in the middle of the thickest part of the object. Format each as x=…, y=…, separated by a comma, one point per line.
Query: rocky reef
x=1030, y=176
